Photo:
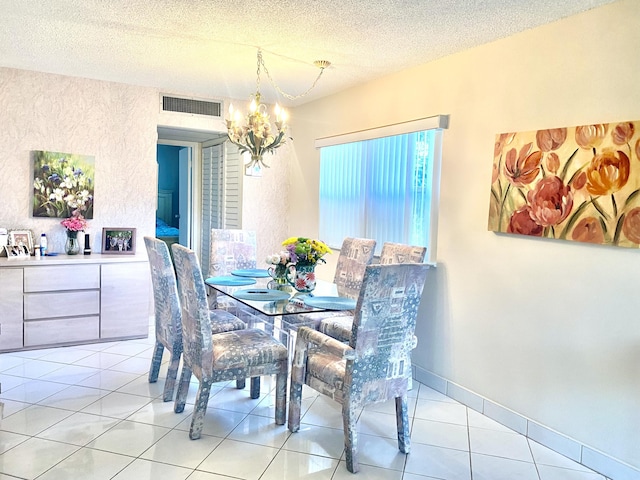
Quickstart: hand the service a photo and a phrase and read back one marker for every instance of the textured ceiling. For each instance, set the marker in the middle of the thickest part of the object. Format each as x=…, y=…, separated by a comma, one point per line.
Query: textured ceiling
x=207, y=48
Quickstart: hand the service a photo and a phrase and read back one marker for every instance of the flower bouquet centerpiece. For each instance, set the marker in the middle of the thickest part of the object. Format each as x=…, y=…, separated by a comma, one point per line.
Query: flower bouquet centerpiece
x=74, y=224
x=280, y=263
x=304, y=254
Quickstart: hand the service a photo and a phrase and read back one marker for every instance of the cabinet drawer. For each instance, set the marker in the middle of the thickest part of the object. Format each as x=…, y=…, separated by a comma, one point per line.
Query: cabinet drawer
x=64, y=331
x=61, y=277
x=61, y=304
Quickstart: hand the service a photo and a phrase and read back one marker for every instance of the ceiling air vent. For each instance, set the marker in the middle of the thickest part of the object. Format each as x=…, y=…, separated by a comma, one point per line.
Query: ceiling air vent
x=188, y=105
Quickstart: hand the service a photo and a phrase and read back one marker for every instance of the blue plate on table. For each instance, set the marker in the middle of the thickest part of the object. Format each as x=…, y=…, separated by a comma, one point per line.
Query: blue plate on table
x=229, y=281
x=251, y=272
x=331, y=303
x=261, y=294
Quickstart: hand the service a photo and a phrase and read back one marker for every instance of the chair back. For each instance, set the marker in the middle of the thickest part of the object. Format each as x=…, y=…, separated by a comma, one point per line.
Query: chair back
x=355, y=255
x=231, y=249
x=196, y=324
x=383, y=329
x=401, y=253
x=165, y=295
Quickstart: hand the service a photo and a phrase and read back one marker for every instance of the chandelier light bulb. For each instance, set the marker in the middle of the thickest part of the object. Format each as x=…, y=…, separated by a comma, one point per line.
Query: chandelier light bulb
x=280, y=113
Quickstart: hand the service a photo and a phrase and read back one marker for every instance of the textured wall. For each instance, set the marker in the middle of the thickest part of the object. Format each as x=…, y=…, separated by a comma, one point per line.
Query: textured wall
x=114, y=123
x=265, y=203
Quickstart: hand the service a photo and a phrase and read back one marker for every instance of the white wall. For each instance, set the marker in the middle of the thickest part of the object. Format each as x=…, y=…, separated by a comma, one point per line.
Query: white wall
x=549, y=329
x=114, y=123
x=264, y=203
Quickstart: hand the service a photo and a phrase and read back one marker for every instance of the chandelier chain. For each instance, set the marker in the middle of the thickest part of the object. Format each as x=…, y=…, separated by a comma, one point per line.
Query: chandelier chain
x=277, y=87
x=260, y=62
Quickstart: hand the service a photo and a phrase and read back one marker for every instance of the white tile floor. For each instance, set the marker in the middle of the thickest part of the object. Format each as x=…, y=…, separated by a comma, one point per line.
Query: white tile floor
x=88, y=412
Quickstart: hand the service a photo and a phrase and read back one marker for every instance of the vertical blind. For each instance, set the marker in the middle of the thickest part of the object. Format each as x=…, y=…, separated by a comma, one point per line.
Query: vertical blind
x=379, y=188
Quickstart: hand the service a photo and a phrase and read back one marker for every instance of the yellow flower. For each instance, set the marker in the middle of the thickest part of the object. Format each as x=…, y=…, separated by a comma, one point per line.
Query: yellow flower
x=608, y=172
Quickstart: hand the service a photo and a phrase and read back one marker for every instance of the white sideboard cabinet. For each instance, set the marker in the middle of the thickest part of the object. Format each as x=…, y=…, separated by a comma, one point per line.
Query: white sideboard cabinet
x=67, y=300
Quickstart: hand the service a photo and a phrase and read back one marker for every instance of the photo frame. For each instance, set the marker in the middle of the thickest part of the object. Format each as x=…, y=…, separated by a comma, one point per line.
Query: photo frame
x=118, y=241
x=21, y=238
x=16, y=251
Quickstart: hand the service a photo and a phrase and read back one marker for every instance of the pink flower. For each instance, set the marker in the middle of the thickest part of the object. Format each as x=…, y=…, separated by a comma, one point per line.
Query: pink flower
x=551, y=139
x=522, y=168
x=631, y=225
x=551, y=201
x=74, y=223
x=522, y=223
x=588, y=230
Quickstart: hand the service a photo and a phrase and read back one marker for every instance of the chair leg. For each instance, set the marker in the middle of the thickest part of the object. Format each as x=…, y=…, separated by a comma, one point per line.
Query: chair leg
x=199, y=409
x=156, y=360
x=350, y=422
x=241, y=383
x=172, y=373
x=255, y=387
x=295, y=405
x=281, y=397
x=402, y=421
x=183, y=389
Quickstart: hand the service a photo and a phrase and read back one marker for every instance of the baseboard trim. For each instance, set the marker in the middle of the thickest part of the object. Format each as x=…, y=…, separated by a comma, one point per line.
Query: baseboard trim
x=564, y=445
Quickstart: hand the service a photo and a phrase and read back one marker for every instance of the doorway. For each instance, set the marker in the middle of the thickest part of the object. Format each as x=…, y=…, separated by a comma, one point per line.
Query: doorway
x=175, y=180
x=184, y=185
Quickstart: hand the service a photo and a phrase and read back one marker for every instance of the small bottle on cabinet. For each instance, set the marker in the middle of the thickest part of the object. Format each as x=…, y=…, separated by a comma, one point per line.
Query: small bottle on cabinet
x=43, y=244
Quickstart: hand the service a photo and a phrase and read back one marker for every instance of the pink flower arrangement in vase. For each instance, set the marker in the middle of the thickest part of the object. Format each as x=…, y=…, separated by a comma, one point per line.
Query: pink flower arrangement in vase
x=74, y=224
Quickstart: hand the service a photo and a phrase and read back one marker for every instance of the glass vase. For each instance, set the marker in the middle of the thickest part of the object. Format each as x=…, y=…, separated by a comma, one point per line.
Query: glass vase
x=72, y=247
x=279, y=275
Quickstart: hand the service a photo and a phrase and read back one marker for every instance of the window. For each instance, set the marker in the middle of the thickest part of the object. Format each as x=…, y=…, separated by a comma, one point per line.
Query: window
x=381, y=188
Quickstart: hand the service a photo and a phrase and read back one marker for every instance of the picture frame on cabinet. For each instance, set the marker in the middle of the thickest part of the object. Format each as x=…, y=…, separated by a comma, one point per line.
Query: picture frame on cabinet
x=16, y=251
x=21, y=238
x=118, y=241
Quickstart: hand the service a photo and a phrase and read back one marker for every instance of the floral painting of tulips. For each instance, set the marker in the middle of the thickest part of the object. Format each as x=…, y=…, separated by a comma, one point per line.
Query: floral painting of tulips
x=63, y=183
x=576, y=183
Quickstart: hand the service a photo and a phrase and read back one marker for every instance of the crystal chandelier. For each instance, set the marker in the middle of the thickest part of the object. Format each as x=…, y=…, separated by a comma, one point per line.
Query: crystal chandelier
x=256, y=136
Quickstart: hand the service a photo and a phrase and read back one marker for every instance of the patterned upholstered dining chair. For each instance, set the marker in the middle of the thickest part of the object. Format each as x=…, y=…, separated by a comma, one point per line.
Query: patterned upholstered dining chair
x=355, y=255
x=339, y=324
x=376, y=365
x=168, y=315
x=225, y=356
x=401, y=253
x=231, y=249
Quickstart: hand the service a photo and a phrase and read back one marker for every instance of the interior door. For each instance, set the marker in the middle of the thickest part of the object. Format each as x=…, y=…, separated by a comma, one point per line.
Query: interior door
x=184, y=196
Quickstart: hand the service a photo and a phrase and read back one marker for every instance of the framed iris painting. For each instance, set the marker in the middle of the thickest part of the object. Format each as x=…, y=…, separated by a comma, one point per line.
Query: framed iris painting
x=62, y=184
x=579, y=184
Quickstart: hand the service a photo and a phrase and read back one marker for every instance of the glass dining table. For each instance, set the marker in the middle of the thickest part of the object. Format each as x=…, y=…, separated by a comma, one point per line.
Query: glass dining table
x=275, y=310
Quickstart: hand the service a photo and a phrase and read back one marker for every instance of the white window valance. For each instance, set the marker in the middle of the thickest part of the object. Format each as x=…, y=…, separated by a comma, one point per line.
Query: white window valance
x=411, y=126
